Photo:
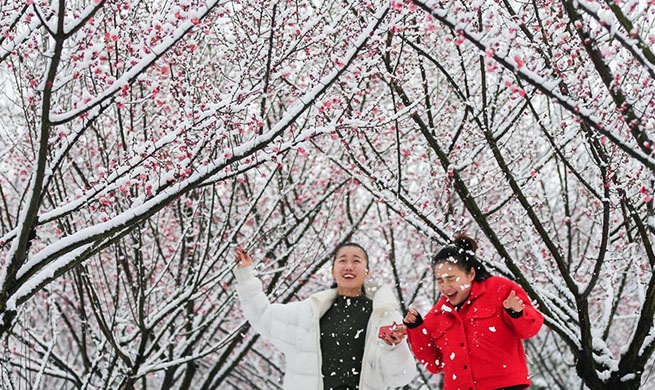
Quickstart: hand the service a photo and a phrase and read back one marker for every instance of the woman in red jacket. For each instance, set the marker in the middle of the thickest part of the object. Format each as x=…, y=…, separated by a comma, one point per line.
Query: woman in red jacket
x=474, y=332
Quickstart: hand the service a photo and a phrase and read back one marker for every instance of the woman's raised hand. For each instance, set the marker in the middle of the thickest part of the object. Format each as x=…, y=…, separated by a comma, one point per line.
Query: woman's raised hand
x=411, y=316
x=242, y=257
x=513, y=302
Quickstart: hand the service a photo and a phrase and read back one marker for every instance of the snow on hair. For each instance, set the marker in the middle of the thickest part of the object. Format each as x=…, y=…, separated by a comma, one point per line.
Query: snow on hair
x=465, y=242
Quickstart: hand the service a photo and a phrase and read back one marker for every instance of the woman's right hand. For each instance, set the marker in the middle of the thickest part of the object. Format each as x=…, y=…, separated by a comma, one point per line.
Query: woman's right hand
x=411, y=316
x=243, y=258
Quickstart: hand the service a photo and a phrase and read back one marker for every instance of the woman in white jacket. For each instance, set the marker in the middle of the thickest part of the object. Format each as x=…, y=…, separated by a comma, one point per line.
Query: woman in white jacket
x=330, y=340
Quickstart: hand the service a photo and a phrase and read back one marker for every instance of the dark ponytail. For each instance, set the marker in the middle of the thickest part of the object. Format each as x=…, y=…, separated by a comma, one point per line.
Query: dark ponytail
x=462, y=253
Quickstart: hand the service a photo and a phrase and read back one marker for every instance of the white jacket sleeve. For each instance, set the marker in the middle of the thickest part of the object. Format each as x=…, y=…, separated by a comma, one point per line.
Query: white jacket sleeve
x=396, y=362
x=274, y=321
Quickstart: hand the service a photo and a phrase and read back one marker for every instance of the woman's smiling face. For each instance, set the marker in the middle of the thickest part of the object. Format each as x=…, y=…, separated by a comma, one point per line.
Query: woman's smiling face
x=350, y=269
x=453, y=281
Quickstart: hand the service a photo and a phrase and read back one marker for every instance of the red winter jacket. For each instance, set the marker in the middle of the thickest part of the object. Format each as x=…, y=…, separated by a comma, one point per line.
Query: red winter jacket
x=478, y=347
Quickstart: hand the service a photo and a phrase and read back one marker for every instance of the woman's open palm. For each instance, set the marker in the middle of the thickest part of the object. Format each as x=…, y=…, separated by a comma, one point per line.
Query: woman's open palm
x=243, y=258
x=513, y=302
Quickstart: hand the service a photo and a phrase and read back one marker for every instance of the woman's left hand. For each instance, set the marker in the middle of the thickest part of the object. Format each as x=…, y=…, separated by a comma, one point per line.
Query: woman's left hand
x=393, y=338
x=513, y=302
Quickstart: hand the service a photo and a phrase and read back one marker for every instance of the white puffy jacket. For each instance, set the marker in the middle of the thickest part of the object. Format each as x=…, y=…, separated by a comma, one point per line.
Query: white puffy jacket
x=294, y=329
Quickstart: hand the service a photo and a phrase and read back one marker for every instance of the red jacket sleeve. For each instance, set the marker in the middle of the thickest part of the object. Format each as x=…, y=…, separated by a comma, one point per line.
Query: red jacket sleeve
x=529, y=323
x=424, y=349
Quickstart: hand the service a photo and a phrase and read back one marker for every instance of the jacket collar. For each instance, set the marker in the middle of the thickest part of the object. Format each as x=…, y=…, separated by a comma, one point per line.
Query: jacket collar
x=477, y=289
x=381, y=295
x=323, y=300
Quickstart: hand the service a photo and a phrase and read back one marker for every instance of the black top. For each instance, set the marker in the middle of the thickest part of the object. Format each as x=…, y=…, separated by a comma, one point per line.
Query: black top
x=343, y=334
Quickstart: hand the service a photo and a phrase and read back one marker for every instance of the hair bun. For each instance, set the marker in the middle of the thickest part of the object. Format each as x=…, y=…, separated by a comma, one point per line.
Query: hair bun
x=465, y=242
